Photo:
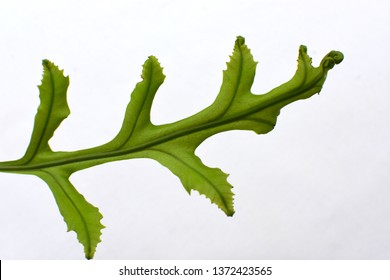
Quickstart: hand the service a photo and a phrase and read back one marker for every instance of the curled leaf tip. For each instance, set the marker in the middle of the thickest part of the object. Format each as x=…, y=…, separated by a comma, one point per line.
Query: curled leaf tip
x=331, y=59
x=337, y=56
x=240, y=41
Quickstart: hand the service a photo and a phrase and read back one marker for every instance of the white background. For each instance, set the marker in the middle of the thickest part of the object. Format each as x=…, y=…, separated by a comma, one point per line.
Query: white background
x=280, y=269
x=316, y=187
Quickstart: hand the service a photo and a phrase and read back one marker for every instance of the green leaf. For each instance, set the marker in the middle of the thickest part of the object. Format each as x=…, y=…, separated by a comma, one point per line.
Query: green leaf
x=137, y=116
x=52, y=110
x=79, y=215
x=194, y=175
x=173, y=145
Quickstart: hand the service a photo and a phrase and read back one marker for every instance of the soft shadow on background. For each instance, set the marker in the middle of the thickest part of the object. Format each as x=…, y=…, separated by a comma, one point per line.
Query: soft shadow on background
x=316, y=187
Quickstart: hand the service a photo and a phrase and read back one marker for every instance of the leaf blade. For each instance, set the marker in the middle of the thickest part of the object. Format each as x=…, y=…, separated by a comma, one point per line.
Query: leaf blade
x=194, y=175
x=79, y=215
x=52, y=110
x=137, y=115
